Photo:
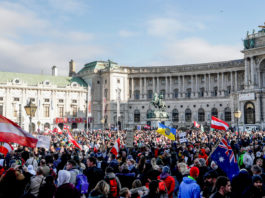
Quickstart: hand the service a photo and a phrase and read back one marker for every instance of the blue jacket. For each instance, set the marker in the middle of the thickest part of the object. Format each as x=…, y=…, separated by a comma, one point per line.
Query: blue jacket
x=189, y=188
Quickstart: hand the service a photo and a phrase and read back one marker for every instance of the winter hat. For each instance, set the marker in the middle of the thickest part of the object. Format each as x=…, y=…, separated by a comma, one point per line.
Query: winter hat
x=256, y=178
x=194, y=172
x=166, y=169
x=31, y=170
x=258, y=154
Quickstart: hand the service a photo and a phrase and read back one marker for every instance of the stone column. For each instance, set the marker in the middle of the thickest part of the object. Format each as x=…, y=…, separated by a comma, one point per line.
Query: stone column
x=252, y=71
x=170, y=87
x=132, y=82
x=209, y=84
x=145, y=87
x=222, y=83
x=157, y=85
x=196, y=84
x=258, y=109
x=140, y=89
x=232, y=81
x=154, y=85
x=166, y=89
x=183, y=86
x=179, y=87
x=246, y=72
x=236, y=81
x=192, y=86
x=205, y=84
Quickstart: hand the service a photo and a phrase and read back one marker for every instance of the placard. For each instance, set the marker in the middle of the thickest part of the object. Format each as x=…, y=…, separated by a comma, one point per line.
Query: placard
x=182, y=137
x=43, y=141
x=129, y=138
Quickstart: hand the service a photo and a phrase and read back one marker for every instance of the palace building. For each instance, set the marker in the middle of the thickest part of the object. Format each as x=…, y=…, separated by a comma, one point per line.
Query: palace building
x=107, y=94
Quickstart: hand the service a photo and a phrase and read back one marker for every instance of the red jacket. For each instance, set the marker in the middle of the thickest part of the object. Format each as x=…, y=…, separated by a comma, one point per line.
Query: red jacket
x=170, y=184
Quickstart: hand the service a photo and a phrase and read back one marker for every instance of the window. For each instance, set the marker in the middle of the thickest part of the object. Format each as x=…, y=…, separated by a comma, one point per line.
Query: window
x=201, y=93
x=214, y=112
x=188, y=115
x=74, y=101
x=149, y=114
x=201, y=115
x=136, y=94
x=215, y=91
x=98, y=82
x=61, y=111
x=106, y=81
x=74, y=108
x=228, y=91
x=1, y=109
x=46, y=100
x=188, y=93
x=175, y=115
x=176, y=93
x=189, y=80
x=118, y=81
x=215, y=78
x=60, y=100
x=150, y=94
x=202, y=79
x=163, y=93
x=227, y=114
x=15, y=112
x=137, y=116
x=249, y=112
x=149, y=82
x=16, y=99
x=32, y=99
x=1, y=98
x=105, y=93
x=46, y=111
x=176, y=81
x=163, y=81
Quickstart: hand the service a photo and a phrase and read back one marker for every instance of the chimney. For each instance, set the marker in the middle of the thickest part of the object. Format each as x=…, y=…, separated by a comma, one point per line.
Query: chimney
x=71, y=68
x=54, y=71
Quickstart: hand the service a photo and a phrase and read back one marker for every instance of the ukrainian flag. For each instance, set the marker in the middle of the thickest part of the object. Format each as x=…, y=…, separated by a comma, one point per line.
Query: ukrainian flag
x=166, y=131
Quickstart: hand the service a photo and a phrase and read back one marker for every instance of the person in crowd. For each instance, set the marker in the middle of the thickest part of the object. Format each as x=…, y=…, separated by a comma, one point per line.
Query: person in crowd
x=71, y=166
x=125, y=193
x=189, y=187
x=240, y=182
x=93, y=173
x=153, y=190
x=126, y=178
x=209, y=183
x=101, y=190
x=65, y=188
x=138, y=190
x=48, y=189
x=222, y=187
x=248, y=158
x=32, y=161
x=36, y=182
x=169, y=180
x=113, y=181
x=45, y=168
x=256, y=190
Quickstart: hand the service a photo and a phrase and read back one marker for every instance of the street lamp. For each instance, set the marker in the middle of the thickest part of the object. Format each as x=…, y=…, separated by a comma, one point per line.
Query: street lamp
x=30, y=109
x=38, y=123
x=237, y=115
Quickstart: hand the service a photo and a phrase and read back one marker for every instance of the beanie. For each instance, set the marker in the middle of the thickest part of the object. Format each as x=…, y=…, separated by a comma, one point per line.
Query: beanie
x=194, y=172
x=166, y=169
x=256, y=178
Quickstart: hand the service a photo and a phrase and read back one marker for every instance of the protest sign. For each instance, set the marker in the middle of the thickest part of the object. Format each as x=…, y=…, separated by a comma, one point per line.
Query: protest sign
x=129, y=138
x=43, y=141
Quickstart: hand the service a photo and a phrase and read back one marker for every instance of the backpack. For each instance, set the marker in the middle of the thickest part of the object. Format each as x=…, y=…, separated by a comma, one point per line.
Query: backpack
x=82, y=183
x=113, y=187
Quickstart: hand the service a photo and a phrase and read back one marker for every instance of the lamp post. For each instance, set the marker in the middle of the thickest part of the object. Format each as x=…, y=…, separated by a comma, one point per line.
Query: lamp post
x=38, y=123
x=118, y=90
x=30, y=109
x=237, y=115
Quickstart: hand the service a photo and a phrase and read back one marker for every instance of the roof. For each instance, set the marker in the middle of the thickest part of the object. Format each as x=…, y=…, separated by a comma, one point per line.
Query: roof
x=99, y=65
x=35, y=79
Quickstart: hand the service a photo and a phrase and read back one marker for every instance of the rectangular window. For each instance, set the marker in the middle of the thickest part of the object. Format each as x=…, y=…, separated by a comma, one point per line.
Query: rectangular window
x=60, y=100
x=150, y=94
x=74, y=101
x=150, y=82
x=16, y=99
x=32, y=100
x=118, y=81
x=46, y=111
x=61, y=112
x=1, y=98
x=74, y=111
x=176, y=81
x=46, y=100
x=163, y=82
x=1, y=109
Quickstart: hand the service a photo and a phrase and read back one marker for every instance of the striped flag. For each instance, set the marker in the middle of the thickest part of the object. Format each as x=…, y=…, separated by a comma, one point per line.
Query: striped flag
x=70, y=137
x=11, y=132
x=6, y=148
x=219, y=124
x=116, y=148
x=196, y=124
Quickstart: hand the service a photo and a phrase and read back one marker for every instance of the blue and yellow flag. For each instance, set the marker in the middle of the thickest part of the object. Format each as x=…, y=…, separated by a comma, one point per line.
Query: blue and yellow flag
x=166, y=131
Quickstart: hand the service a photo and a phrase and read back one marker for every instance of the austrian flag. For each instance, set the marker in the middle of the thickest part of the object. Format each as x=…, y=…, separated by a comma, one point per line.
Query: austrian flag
x=116, y=148
x=196, y=124
x=219, y=124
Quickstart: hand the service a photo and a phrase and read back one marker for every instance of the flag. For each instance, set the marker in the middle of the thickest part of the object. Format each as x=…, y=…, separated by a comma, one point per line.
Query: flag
x=11, y=132
x=6, y=148
x=224, y=157
x=196, y=124
x=116, y=148
x=168, y=132
x=202, y=129
x=219, y=124
x=71, y=139
x=57, y=130
x=147, y=127
x=66, y=127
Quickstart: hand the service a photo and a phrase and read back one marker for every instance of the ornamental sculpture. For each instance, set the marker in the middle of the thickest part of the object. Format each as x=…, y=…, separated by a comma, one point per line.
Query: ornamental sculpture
x=159, y=113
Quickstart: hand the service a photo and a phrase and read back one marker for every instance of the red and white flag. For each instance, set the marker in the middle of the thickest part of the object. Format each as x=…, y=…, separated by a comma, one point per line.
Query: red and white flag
x=219, y=124
x=57, y=130
x=147, y=127
x=11, y=132
x=70, y=137
x=116, y=148
x=196, y=124
x=6, y=148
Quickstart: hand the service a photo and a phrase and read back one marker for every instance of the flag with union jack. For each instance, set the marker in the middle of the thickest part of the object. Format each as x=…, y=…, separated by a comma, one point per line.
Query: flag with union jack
x=224, y=157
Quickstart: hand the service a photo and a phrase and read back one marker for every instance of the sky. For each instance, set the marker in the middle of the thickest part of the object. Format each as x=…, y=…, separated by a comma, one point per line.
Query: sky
x=37, y=34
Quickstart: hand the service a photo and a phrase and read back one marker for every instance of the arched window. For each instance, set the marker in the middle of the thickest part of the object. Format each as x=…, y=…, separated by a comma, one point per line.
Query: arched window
x=137, y=115
x=149, y=113
x=175, y=115
x=176, y=93
x=136, y=94
x=163, y=93
x=201, y=115
x=74, y=125
x=249, y=112
x=228, y=114
x=150, y=94
x=47, y=125
x=188, y=115
x=214, y=112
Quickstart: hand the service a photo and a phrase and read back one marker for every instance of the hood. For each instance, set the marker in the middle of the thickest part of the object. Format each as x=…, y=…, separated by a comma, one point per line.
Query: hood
x=110, y=175
x=187, y=180
x=203, y=151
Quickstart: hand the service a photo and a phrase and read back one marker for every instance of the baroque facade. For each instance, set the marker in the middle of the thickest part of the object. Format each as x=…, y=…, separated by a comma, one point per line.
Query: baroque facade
x=102, y=91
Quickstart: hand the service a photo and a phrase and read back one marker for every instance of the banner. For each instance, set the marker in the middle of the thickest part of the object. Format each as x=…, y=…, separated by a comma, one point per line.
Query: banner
x=129, y=138
x=43, y=141
x=182, y=137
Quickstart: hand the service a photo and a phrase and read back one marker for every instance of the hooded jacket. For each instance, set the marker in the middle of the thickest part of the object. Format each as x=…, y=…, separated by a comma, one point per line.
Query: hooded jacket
x=189, y=188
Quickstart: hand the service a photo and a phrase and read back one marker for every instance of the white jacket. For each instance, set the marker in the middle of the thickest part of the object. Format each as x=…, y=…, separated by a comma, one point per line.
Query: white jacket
x=248, y=160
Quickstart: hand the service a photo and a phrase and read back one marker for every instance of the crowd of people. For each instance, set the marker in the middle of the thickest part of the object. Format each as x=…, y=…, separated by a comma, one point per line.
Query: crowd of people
x=154, y=167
